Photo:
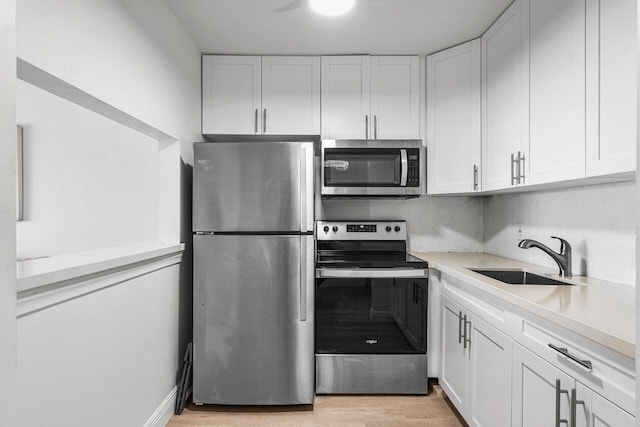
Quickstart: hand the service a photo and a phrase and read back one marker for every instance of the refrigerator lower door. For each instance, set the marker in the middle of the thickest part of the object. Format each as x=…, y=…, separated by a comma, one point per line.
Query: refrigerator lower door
x=253, y=320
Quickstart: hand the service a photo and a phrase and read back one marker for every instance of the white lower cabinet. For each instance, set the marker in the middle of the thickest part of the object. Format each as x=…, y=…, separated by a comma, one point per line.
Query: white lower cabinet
x=476, y=367
x=543, y=395
x=501, y=367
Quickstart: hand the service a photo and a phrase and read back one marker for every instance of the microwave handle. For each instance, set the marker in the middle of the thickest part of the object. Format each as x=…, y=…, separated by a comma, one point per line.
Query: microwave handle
x=403, y=167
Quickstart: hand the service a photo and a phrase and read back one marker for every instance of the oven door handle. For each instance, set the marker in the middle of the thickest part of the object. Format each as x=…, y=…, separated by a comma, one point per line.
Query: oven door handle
x=373, y=273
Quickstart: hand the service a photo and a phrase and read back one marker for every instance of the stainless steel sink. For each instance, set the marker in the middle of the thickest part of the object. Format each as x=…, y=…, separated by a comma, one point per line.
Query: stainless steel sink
x=520, y=277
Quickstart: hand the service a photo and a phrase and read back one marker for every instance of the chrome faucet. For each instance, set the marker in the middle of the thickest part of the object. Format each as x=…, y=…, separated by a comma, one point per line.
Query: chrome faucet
x=563, y=259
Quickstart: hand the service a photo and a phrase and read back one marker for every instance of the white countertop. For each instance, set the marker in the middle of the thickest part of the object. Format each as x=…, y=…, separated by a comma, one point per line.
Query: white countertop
x=44, y=271
x=602, y=311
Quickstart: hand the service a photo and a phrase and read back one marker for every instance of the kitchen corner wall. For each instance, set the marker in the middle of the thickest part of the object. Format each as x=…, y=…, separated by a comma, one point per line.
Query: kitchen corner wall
x=598, y=221
x=115, y=355
x=449, y=224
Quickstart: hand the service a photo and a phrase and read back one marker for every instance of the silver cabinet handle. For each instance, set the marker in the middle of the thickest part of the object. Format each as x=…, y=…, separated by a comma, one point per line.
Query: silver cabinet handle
x=565, y=352
x=460, y=328
x=513, y=173
x=255, y=122
x=366, y=126
x=375, y=126
x=264, y=121
x=475, y=177
x=559, y=393
x=574, y=407
x=520, y=168
x=467, y=339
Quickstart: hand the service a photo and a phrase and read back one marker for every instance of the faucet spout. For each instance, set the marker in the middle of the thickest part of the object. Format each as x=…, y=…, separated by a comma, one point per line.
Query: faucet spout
x=563, y=258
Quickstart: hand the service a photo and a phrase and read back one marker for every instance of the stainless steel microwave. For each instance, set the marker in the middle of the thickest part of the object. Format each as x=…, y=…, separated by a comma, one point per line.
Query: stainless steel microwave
x=372, y=168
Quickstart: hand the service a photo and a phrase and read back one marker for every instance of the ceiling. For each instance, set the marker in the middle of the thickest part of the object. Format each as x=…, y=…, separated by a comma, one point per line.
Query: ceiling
x=379, y=27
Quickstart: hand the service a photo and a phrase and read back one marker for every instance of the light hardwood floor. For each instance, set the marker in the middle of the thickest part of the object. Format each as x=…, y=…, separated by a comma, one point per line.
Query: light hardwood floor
x=352, y=411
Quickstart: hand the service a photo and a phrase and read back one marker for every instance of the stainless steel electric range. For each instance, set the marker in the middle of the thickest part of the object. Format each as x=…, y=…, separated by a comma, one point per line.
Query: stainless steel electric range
x=371, y=310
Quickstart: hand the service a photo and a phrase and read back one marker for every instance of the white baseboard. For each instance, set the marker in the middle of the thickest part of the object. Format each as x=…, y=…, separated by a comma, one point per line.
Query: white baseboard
x=163, y=414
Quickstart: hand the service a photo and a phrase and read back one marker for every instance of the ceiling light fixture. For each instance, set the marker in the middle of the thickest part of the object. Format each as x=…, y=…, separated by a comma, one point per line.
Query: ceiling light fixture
x=331, y=7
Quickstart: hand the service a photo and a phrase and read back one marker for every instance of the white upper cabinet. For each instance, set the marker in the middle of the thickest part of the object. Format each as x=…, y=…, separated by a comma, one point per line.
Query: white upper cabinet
x=366, y=97
x=231, y=94
x=291, y=95
x=395, y=97
x=453, y=119
x=260, y=95
x=346, y=96
x=504, y=101
x=611, y=86
x=557, y=90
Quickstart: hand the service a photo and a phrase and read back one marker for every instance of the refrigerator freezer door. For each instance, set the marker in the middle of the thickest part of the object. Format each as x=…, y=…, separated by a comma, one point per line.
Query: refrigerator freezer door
x=253, y=187
x=253, y=320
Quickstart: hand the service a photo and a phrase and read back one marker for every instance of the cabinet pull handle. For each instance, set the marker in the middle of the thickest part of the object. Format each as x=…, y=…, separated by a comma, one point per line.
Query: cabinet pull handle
x=366, y=126
x=460, y=327
x=574, y=407
x=565, y=352
x=467, y=339
x=375, y=126
x=475, y=177
x=520, y=169
x=559, y=392
x=513, y=173
x=255, y=122
x=264, y=121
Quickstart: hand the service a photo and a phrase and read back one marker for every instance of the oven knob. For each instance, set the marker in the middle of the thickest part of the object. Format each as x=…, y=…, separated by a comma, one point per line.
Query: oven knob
x=326, y=229
x=335, y=229
x=397, y=228
x=388, y=228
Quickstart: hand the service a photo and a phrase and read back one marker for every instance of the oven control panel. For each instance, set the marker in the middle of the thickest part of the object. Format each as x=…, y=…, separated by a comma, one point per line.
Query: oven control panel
x=361, y=230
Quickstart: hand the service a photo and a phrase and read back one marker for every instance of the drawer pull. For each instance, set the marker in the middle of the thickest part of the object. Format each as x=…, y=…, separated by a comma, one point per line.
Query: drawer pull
x=565, y=352
x=559, y=393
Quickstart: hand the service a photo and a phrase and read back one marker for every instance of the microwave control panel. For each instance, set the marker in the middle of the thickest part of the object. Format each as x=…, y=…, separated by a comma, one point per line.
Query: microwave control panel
x=413, y=166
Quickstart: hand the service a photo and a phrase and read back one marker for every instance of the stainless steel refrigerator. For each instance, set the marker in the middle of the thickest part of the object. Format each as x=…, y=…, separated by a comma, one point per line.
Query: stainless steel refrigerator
x=253, y=285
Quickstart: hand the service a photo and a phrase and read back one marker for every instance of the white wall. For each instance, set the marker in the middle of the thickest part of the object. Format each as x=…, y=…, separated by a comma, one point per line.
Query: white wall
x=89, y=182
x=134, y=56
x=433, y=223
x=8, y=368
x=598, y=221
x=101, y=360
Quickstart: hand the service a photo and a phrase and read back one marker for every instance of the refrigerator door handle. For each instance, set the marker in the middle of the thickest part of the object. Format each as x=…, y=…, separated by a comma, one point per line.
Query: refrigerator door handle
x=306, y=273
x=306, y=188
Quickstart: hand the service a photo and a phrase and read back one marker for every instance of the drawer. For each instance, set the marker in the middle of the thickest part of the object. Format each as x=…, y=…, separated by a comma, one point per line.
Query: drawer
x=487, y=307
x=611, y=375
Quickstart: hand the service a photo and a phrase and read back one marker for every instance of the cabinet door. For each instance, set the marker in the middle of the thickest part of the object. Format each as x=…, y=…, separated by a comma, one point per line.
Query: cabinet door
x=557, y=90
x=453, y=119
x=611, y=86
x=290, y=95
x=395, y=97
x=596, y=411
x=346, y=97
x=416, y=314
x=504, y=112
x=535, y=389
x=489, y=392
x=231, y=94
x=453, y=362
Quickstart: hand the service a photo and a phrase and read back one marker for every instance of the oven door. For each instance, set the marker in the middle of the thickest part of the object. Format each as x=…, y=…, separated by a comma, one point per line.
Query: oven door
x=371, y=311
x=371, y=168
